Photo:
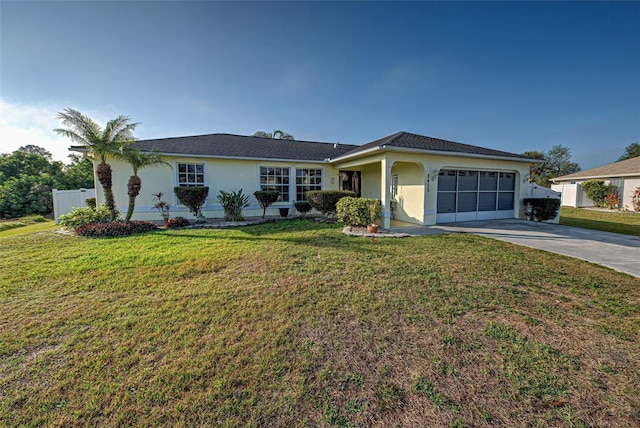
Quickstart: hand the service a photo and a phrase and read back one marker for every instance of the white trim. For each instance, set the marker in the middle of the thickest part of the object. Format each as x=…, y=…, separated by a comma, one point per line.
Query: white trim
x=199, y=156
x=278, y=204
x=434, y=152
x=176, y=183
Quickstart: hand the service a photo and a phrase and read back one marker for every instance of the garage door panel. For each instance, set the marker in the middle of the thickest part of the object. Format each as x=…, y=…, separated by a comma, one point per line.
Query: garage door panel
x=467, y=195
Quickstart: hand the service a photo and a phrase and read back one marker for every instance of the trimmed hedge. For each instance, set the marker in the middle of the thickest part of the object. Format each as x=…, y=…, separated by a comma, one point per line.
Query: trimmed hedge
x=358, y=211
x=325, y=200
x=115, y=228
x=177, y=222
x=303, y=207
x=192, y=198
x=85, y=215
x=542, y=208
x=266, y=198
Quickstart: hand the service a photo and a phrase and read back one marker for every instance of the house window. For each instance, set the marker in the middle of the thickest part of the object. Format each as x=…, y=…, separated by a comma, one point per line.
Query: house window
x=272, y=178
x=190, y=174
x=394, y=186
x=307, y=179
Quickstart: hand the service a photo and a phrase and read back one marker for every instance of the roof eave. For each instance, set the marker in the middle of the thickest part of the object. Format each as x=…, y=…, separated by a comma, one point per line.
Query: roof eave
x=595, y=177
x=251, y=158
x=433, y=152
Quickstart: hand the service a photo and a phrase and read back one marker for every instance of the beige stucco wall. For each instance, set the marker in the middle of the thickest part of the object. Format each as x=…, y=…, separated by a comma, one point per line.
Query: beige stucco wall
x=417, y=170
x=220, y=174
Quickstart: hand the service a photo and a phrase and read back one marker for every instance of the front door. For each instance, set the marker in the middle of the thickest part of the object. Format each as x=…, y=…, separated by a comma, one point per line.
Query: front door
x=350, y=180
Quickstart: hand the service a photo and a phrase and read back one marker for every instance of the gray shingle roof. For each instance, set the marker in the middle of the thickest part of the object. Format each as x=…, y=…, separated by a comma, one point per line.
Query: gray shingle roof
x=240, y=146
x=407, y=140
x=625, y=168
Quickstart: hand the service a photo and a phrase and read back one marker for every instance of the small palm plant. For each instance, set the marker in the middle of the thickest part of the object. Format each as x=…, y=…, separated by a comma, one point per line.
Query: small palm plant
x=233, y=203
x=137, y=160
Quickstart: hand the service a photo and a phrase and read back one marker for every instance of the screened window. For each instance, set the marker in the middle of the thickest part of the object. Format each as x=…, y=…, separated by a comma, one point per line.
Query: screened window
x=272, y=178
x=307, y=179
x=190, y=174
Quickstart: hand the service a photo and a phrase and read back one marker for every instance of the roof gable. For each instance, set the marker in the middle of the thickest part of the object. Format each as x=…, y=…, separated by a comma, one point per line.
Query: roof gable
x=244, y=147
x=627, y=167
x=407, y=140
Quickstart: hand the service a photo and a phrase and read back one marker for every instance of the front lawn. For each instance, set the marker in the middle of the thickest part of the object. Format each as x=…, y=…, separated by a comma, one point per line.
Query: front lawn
x=627, y=223
x=293, y=324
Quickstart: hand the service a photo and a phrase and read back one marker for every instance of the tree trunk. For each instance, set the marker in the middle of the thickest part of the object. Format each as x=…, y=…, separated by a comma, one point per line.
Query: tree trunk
x=134, y=186
x=103, y=171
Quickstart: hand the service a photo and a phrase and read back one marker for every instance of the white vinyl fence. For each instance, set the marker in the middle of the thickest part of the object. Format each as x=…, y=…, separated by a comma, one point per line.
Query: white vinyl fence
x=66, y=200
x=573, y=195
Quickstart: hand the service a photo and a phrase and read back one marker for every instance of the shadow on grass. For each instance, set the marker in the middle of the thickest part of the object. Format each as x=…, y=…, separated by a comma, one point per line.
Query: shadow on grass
x=605, y=226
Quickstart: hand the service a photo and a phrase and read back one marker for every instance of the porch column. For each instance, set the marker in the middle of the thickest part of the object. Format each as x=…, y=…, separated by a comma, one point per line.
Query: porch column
x=385, y=192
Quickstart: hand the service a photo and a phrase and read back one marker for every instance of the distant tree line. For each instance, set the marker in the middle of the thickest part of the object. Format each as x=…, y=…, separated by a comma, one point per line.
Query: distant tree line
x=557, y=162
x=28, y=174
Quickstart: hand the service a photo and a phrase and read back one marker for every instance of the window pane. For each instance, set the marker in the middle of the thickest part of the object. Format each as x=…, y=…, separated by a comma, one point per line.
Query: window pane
x=487, y=201
x=467, y=202
x=199, y=169
x=182, y=167
x=505, y=200
x=446, y=181
x=467, y=180
x=488, y=180
x=446, y=202
x=507, y=181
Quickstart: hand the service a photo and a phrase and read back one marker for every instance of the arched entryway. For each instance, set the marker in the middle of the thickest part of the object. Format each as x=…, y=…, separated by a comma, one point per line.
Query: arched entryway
x=407, y=190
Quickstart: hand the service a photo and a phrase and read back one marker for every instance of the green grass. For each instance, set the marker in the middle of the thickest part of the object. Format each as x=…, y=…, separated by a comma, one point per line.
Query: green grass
x=22, y=222
x=295, y=324
x=627, y=223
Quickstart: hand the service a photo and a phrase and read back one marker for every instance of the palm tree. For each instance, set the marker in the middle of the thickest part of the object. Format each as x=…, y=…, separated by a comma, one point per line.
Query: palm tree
x=99, y=142
x=137, y=160
x=277, y=134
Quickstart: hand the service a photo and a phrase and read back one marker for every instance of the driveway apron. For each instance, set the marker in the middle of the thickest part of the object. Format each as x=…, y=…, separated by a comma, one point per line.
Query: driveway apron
x=619, y=252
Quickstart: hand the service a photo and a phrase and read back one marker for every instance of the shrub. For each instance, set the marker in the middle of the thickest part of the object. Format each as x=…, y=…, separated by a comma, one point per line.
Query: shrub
x=358, y=211
x=266, y=198
x=91, y=203
x=612, y=200
x=160, y=205
x=597, y=191
x=303, y=207
x=115, y=228
x=177, y=222
x=542, y=208
x=83, y=216
x=233, y=204
x=635, y=199
x=325, y=200
x=192, y=198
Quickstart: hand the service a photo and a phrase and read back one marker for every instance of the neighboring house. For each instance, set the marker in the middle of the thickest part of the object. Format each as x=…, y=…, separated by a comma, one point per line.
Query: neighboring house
x=624, y=174
x=425, y=180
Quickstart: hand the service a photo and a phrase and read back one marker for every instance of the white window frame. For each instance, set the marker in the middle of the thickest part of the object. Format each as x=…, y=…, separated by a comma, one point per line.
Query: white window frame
x=261, y=186
x=295, y=182
x=176, y=180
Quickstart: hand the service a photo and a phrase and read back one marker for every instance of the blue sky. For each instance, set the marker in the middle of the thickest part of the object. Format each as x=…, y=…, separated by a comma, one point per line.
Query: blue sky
x=513, y=76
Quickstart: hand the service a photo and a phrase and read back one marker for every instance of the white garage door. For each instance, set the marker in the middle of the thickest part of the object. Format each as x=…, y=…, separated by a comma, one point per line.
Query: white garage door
x=467, y=195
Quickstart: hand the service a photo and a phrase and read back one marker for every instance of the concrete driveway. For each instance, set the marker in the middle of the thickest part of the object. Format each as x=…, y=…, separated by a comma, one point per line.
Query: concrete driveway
x=619, y=252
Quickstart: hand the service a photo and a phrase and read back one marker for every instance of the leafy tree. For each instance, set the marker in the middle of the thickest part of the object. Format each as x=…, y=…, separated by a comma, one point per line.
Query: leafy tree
x=277, y=134
x=35, y=150
x=99, y=142
x=137, y=160
x=557, y=162
x=79, y=173
x=21, y=162
x=25, y=195
x=631, y=151
x=536, y=169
